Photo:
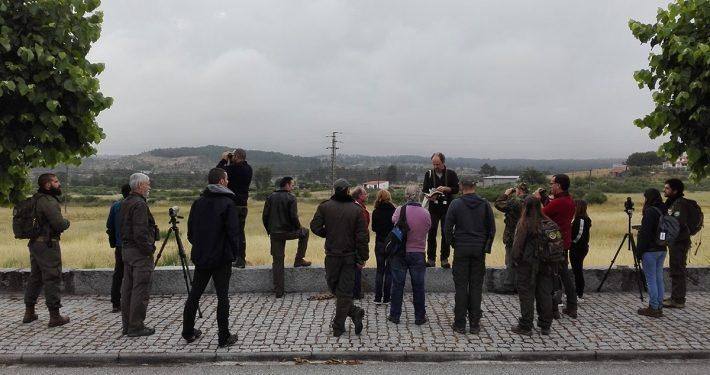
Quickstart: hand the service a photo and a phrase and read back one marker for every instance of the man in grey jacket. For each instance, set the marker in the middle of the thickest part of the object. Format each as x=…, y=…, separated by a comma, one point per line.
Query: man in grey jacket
x=138, y=236
x=470, y=228
x=280, y=218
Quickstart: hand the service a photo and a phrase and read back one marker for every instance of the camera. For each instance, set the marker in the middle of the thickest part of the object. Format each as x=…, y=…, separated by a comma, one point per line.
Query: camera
x=174, y=211
x=629, y=206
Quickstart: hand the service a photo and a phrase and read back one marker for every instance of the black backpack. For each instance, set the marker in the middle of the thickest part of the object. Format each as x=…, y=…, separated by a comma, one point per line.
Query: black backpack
x=551, y=247
x=695, y=217
x=396, y=242
x=25, y=223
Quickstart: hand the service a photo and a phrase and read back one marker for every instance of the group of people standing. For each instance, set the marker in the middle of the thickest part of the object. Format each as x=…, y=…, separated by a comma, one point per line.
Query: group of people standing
x=215, y=230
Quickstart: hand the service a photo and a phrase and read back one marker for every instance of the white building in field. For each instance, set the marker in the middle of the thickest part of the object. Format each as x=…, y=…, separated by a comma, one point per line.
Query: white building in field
x=499, y=180
x=376, y=185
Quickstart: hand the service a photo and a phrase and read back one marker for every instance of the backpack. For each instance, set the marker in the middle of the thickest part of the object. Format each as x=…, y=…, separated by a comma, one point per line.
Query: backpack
x=551, y=247
x=25, y=223
x=667, y=230
x=695, y=217
x=396, y=242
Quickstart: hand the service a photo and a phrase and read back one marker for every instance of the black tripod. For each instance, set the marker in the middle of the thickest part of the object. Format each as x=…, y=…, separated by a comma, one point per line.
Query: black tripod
x=629, y=209
x=173, y=211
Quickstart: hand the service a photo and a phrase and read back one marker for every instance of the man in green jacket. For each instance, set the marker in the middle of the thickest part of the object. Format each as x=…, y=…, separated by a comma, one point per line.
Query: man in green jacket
x=511, y=204
x=45, y=254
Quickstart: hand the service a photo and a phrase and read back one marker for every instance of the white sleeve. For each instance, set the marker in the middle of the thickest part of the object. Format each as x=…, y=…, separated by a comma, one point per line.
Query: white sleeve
x=581, y=231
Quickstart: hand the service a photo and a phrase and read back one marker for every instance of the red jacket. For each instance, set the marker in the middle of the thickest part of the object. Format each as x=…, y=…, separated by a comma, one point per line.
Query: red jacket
x=561, y=211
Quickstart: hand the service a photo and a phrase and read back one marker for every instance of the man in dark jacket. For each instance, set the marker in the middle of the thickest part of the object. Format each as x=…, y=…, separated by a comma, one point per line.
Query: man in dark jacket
x=45, y=254
x=677, y=206
x=113, y=229
x=470, y=228
x=440, y=186
x=213, y=231
x=280, y=218
x=560, y=209
x=511, y=204
x=240, y=174
x=341, y=223
x=138, y=236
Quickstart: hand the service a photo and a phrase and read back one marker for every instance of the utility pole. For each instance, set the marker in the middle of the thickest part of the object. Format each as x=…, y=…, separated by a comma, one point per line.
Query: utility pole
x=333, y=148
x=590, y=179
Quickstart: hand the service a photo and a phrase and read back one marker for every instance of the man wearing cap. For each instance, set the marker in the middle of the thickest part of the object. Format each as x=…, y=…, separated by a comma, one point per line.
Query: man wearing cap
x=470, y=228
x=511, y=204
x=343, y=226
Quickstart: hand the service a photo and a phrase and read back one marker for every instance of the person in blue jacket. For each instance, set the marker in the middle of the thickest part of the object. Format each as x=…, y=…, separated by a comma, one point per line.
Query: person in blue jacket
x=113, y=229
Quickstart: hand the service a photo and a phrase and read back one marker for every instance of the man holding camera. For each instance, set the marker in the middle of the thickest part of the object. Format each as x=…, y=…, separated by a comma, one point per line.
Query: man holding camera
x=213, y=231
x=346, y=235
x=280, y=218
x=440, y=186
x=45, y=254
x=240, y=174
x=138, y=236
x=511, y=204
x=560, y=209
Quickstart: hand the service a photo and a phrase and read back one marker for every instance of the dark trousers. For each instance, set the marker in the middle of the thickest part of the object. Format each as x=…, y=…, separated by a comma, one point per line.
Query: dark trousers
x=117, y=278
x=678, y=254
x=340, y=277
x=242, y=212
x=45, y=271
x=415, y=264
x=567, y=285
x=509, y=280
x=576, y=259
x=135, y=288
x=534, y=291
x=468, y=273
x=438, y=215
x=278, y=249
x=383, y=277
x=220, y=277
x=357, y=288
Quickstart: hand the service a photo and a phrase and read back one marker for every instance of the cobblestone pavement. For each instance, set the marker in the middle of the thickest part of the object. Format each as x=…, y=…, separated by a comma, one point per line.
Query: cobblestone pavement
x=294, y=324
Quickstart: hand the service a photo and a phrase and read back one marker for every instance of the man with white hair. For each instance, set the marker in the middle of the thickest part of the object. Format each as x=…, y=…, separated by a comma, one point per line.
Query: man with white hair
x=138, y=236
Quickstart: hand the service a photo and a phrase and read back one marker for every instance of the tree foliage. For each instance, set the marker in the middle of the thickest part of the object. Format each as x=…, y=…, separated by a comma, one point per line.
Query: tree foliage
x=532, y=176
x=488, y=170
x=262, y=178
x=644, y=159
x=678, y=76
x=49, y=91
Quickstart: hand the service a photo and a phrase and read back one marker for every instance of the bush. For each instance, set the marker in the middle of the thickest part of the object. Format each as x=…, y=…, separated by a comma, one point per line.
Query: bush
x=595, y=197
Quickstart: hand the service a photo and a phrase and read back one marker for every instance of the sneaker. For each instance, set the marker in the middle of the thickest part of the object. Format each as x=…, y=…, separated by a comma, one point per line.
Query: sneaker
x=457, y=329
x=521, y=331
x=229, y=341
x=393, y=319
x=338, y=330
x=196, y=333
x=445, y=264
x=669, y=303
x=145, y=331
x=431, y=263
x=301, y=263
x=421, y=321
x=650, y=312
x=357, y=320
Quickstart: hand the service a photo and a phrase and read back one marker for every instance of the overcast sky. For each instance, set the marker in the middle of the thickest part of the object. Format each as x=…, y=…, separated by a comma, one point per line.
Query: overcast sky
x=498, y=79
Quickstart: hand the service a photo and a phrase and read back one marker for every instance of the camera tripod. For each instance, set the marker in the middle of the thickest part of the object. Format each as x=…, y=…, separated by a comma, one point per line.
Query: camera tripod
x=631, y=244
x=181, y=252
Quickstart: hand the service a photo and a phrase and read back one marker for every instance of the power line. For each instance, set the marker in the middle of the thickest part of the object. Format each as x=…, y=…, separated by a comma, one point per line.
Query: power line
x=333, y=142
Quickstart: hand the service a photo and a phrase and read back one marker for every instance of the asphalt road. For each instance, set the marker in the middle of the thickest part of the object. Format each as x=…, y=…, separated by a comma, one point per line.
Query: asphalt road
x=493, y=368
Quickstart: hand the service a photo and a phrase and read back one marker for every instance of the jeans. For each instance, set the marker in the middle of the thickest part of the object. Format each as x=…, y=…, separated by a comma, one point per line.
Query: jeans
x=653, y=270
x=383, y=278
x=576, y=259
x=220, y=276
x=414, y=262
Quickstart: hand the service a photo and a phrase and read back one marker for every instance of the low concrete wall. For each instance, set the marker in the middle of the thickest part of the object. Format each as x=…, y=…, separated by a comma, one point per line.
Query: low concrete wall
x=169, y=280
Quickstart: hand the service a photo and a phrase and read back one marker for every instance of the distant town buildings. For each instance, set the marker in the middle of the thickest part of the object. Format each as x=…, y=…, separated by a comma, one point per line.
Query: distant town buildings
x=681, y=163
x=376, y=185
x=618, y=170
x=499, y=180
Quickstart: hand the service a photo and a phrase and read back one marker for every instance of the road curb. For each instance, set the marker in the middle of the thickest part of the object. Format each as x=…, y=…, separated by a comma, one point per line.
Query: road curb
x=173, y=358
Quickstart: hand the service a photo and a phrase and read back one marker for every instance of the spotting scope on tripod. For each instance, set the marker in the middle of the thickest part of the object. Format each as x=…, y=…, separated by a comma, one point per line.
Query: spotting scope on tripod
x=174, y=216
x=631, y=244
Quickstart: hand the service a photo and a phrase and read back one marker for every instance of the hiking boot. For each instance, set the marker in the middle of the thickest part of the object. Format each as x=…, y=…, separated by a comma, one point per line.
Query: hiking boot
x=301, y=263
x=30, y=315
x=445, y=264
x=571, y=312
x=431, y=263
x=457, y=329
x=357, y=318
x=393, y=319
x=145, y=331
x=474, y=328
x=650, y=312
x=196, y=333
x=338, y=329
x=240, y=263
x=521, y=331
x=229, y=341
x=545, y=331
x=421, y=321
x=669, y=303
x=56, y=320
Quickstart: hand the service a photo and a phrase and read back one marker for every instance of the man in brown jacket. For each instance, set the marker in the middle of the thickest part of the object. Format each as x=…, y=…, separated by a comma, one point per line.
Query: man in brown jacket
x=340, y=221
x=138, y=236
x=45, y=254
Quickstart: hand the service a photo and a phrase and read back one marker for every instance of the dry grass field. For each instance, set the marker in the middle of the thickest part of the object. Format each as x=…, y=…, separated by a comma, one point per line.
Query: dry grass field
x=85, y=244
